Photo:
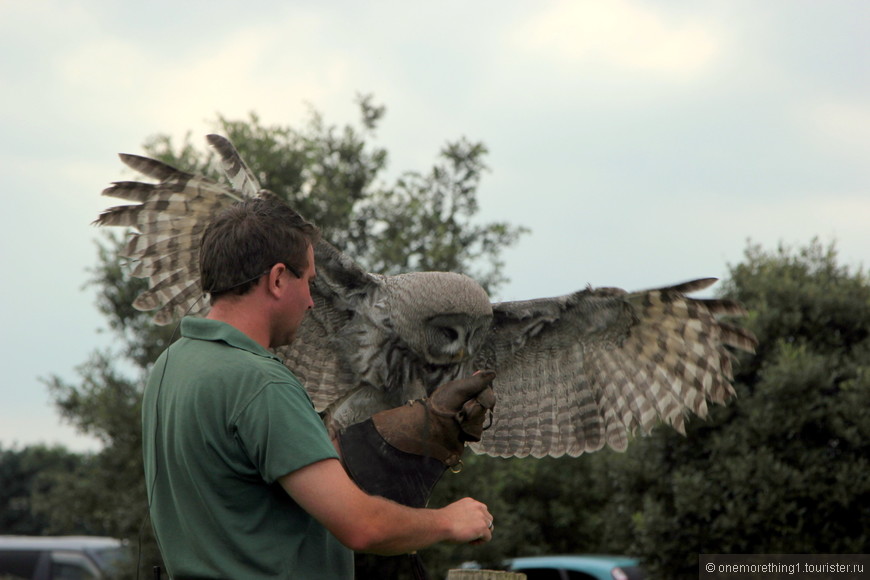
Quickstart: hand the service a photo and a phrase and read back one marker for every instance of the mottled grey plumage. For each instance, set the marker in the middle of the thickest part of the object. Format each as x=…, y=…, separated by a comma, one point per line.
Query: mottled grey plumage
x=575, y=372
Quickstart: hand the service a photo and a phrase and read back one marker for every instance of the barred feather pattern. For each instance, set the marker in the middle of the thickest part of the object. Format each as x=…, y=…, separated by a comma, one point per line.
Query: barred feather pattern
x=237, y=171
x=574, y=373
x=597, y=367
x=166, y=220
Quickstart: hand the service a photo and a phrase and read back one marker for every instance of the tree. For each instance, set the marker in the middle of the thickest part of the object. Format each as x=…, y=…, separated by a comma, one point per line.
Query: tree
x=786, y=467
x=334, y=177
x=541, y=506
x=25, y=474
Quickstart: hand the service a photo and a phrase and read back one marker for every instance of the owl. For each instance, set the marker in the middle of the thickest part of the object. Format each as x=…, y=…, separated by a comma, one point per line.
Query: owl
x=574, y=373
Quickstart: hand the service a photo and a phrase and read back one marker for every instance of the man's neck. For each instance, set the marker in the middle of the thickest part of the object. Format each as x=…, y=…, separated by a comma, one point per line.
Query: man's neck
x=242, y=318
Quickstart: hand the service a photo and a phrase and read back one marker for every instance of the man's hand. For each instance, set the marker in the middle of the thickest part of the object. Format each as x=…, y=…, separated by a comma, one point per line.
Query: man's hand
x=472, y=522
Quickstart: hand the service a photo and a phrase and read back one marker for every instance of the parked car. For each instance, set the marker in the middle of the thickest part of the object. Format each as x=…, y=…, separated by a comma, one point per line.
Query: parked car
x=60, y=557
x=586, y=567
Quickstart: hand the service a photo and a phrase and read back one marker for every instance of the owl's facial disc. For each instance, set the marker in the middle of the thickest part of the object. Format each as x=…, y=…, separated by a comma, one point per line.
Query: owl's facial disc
x=441, y=316
x=452, y=338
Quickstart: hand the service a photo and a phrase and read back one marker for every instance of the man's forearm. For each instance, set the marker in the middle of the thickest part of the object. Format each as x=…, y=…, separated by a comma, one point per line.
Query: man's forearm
x=367, y=523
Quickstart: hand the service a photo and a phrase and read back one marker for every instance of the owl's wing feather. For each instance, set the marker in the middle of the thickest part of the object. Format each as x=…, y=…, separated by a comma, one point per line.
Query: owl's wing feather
x=331, y=333
x=167, y=218
x=237, y=171
x=153, y=168
x=595, y=367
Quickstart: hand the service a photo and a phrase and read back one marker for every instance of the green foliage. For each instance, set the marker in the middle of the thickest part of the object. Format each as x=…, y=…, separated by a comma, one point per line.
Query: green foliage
x=803, y=296
x=105, y=494
x=784, y=468
x=25, y=474
x=535, y=503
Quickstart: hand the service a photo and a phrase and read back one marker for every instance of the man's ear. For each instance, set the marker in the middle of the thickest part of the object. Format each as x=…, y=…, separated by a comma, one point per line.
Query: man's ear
x=276, y=284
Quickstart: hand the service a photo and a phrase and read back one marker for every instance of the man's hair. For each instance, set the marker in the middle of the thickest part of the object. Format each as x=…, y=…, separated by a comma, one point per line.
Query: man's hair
x=243, y=242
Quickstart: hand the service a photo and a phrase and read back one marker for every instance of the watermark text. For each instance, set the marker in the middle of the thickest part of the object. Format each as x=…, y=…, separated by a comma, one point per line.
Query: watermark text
x=781, y=566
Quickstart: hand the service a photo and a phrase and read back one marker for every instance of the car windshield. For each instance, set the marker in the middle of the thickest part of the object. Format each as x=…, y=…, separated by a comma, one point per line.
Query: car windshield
x=111, y=559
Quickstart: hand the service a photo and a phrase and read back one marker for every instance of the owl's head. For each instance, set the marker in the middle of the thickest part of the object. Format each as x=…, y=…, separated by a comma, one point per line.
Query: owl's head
x=442, y=316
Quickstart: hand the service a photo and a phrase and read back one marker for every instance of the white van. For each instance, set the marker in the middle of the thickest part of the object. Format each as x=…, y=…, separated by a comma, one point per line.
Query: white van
x=59, y=557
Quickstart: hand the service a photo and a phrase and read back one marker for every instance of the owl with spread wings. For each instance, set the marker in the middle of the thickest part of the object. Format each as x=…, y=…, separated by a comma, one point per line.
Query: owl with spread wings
x=574, y=372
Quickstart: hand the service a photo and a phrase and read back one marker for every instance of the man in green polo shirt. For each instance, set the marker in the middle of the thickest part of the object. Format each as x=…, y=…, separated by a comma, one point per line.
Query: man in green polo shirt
x=242, y=478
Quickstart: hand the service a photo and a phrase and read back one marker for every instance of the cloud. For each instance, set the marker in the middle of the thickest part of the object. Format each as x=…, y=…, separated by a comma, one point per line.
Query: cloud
x=108, y=76
x=844, y=124
x=257, y=69
x=620, y=33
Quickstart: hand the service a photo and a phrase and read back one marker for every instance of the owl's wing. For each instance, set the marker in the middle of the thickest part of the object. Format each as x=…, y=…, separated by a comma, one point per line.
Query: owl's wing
x=595, y=367
x=334, y=330
x=167, y=218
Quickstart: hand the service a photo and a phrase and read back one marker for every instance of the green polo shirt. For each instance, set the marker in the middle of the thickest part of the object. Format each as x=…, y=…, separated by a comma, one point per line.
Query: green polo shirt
x=223, y=419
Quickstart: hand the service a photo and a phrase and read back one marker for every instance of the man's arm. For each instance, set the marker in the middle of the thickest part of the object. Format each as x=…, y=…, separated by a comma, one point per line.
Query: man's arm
x=367, y=523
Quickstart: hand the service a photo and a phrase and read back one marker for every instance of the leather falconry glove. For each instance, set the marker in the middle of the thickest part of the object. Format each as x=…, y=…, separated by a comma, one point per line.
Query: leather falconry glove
x=401, y=453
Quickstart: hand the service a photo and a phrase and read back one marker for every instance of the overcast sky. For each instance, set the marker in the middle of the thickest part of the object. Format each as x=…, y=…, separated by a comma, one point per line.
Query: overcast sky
x=642, y=142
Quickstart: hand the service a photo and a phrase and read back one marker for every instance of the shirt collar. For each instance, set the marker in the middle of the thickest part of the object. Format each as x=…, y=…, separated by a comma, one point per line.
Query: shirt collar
x=217, y=331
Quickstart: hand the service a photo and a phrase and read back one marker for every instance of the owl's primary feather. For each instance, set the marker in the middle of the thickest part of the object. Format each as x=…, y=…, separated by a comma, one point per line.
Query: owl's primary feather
x=575, y=372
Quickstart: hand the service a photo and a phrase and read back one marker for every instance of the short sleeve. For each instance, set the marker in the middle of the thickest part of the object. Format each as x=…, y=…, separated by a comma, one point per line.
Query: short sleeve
x=281, y=432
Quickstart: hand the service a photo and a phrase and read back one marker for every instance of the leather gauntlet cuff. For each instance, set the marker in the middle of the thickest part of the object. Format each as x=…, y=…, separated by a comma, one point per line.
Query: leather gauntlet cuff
x=380, y=469
x=401, y=453
x=417, y=428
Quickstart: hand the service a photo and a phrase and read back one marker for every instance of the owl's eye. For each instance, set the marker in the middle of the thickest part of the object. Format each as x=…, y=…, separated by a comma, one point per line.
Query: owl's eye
x=449, y=333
